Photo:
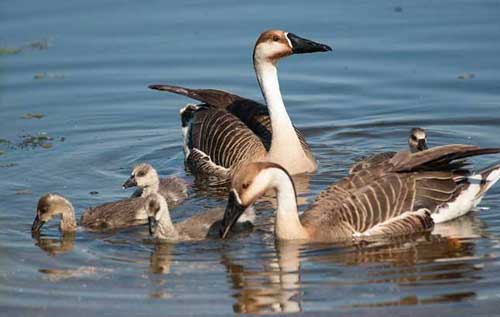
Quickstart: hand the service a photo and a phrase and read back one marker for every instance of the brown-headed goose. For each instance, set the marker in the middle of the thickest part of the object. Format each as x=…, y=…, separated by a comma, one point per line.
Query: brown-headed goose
x=404, y=195
x=417, y=141
x=115, y=215
x=201, y=226
x=227, y=130
x=145, y=177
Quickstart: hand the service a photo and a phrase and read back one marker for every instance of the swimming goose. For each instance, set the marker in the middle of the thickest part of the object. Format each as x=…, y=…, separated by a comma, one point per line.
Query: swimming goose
x=203, y=225
x=115, y=215
x=145, y=177
x=417, y=141
x=228, y=130
x=404, y=195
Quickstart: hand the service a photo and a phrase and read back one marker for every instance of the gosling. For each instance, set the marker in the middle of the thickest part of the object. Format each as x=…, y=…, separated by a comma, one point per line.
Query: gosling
x=198, y=227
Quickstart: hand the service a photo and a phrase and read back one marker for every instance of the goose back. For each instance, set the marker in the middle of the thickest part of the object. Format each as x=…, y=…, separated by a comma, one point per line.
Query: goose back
x=115, y=215
x=208, y=124
x=407, y=182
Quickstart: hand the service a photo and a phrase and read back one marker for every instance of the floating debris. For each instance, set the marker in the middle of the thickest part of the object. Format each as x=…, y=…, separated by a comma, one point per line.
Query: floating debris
x=8, y=165
x=39, y=45
x=94, y=192
x=30, y=116
x=43, y=75
x=9, y=51
x=398, y=9
x=25, y=191
x=466, y=76
x=40, y=140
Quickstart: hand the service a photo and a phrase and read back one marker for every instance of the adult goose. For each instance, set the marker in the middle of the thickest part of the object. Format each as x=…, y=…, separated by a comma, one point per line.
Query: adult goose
x=147, y=181
x=417, y=141
x=406, y=194
x=227, y=130
x=203, y=225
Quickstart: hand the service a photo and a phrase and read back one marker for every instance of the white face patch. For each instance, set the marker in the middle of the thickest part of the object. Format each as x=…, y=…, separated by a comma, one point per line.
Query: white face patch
x=288, y=40
x=237, y=196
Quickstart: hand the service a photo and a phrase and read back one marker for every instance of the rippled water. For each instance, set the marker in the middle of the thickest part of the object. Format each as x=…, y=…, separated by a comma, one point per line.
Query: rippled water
x=85, y=67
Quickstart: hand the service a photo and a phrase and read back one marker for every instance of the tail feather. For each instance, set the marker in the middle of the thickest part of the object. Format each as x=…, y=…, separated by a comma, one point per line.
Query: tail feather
x=437, y=156
x=217, y=98
x=488, y=177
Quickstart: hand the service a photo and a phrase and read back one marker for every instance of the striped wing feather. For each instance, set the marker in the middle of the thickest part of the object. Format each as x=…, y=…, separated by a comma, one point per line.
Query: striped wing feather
x=253, y=114
x=406, y=183
x=224, y=138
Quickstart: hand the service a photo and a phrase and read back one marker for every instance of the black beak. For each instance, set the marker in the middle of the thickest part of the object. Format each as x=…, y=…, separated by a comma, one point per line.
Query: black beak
x=301, y=45
x=130, y=182
x=152, y=225
x=233, y=211
x=37, y=224
x=422, y=145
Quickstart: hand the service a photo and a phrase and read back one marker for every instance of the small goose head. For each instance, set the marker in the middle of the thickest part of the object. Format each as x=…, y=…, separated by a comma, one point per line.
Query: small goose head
x=143, y=176
x=156, y=207
x=273, y=45
x=50, y=205
x=417, y=140
x=248, y=184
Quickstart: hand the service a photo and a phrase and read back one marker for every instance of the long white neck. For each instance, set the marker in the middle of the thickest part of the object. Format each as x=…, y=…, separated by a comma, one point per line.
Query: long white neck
x=68, y=220
x=287, y=225
x=285, y=145
x=165, y=229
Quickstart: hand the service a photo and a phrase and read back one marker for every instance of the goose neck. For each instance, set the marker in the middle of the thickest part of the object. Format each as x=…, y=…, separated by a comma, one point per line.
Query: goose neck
x=68, y=220
x=287, y=225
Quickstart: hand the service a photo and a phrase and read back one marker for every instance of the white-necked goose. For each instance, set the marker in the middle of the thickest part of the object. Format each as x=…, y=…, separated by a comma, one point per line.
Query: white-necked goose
x=206, y=224
x=145, y=177
x=390, y=199
x=228, y=130
x=114, y=215
x=417, y=141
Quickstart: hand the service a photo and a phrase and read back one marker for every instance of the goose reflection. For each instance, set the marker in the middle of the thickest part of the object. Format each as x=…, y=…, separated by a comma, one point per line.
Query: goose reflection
x=275, y=284
x=55, y=245
x=275, y=289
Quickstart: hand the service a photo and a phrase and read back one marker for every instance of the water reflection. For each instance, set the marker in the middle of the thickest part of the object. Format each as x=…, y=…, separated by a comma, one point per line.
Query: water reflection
x=273, y=290
x=159, y=261
x=443, y=258
x=55, y=246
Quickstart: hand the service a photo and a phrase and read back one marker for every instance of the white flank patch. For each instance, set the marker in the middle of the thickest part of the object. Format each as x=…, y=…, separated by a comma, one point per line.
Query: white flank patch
x=462, y=204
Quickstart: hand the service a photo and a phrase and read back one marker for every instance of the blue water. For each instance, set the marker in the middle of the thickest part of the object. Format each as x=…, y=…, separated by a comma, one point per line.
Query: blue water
x=85, y=67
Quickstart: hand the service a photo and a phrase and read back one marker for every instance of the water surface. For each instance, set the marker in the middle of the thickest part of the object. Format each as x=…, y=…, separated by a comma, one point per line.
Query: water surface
x=85, y=67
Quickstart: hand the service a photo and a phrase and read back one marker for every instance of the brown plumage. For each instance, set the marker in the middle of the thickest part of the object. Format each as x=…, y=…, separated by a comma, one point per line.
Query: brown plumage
x=115, y=215
x=203, y=225
x=227, y=130
x=417, y=141
x=400, y=196
x=147, y=181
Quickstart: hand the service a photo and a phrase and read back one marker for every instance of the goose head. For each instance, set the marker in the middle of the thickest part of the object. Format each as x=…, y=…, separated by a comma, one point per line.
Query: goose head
x=248, y=184
x=143, y=176
x=50, y=205
x=273, y=45
x=156, y=208
x=417, y=140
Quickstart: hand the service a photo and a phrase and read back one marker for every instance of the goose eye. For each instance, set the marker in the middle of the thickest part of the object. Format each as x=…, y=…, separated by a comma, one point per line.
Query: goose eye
x=245, y=186
x=276, y=38
x=140, y=174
